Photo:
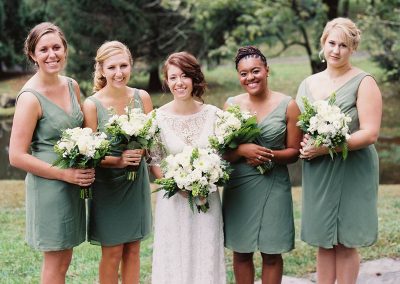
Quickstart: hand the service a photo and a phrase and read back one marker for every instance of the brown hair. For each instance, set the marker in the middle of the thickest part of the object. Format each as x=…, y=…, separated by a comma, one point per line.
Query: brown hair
x=347, y=27
x=191, y=67
x=249, y=51
x=36, y=33
x=105, y=51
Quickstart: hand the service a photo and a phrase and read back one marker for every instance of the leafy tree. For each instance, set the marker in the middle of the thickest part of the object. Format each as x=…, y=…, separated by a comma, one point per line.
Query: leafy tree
x=382, y=37
x=12, y=33
x=150, y=30
x=282, y=22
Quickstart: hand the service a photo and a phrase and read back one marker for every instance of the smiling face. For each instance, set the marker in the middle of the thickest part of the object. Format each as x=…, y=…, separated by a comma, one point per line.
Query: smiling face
x=117, y=70
x=180, y=85
x=49, y=53
x=253, y=75
x=337, y=51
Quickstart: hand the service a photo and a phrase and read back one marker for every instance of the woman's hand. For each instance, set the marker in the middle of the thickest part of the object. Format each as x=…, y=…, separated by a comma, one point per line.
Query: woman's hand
x=308, y=151
x=131, y=157
x=81, y=177
x=254, y=154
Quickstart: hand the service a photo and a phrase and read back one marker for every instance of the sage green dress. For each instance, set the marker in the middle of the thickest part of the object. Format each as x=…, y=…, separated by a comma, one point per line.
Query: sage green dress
x=120, y=211
x=257, y=208
x=340, y=196
x=55, y=214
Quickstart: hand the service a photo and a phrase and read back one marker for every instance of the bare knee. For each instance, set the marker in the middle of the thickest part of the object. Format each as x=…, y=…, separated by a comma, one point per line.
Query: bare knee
x=112, y=254
x=242, y=257
x=271, y=259
x=131, y=250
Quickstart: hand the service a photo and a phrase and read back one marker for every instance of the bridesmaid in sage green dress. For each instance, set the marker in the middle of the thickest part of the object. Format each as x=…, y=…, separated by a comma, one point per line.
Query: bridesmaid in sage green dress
x=47, y=104
x=120, y=212
x=257, y=208
x=339, y=196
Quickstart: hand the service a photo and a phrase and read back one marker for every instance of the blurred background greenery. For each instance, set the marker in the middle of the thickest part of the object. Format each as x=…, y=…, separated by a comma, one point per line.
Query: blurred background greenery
x=288, y=33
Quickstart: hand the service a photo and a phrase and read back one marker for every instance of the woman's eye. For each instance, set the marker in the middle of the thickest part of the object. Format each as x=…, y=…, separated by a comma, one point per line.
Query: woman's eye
x=242, y=74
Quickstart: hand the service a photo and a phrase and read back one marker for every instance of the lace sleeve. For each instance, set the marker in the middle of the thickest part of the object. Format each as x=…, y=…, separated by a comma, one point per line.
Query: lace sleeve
x=157, y=153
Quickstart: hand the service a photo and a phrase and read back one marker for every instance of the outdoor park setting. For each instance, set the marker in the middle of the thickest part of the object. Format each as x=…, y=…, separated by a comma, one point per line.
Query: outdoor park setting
x=287, y=32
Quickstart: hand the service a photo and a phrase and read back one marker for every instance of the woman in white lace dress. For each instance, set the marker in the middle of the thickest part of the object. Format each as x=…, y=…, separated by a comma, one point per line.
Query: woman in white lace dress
x=188, y=246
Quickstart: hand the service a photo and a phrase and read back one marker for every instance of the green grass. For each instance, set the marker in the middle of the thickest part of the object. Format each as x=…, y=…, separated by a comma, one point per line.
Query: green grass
x=21, y=264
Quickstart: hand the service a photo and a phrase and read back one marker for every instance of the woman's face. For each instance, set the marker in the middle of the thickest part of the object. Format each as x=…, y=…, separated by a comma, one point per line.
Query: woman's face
x=253, y=75
x=180, y=85
x=117, y=70
x=336, y=51
x=49, y=53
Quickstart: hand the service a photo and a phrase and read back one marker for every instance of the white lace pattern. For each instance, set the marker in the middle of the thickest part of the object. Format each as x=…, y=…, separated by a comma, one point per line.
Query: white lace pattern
x=188, y=246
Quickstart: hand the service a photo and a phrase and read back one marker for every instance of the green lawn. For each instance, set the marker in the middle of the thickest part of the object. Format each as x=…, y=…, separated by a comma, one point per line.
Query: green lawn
x=21, y=264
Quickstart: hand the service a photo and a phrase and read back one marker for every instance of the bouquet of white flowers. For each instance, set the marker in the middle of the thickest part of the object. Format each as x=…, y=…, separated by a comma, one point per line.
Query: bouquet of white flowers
x=81, y=148
x=132, y=130
x=195, y=171
x=234, y=127
x=326, y=124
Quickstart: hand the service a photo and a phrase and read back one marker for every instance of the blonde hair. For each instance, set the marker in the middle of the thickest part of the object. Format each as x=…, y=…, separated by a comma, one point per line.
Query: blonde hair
x=349, y=29
x=105, y=51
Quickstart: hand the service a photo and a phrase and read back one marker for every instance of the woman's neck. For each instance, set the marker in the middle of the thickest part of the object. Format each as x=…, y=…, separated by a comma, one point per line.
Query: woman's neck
x=116, y=93
x=260, y=97
x=185, y=107
x=48, y=80
x=336, y=72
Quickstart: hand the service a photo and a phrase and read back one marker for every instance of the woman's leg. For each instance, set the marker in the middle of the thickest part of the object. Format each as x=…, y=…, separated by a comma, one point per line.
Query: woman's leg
x=326, y=266
x=109, y=264
x=55, y=266
x=272, y=268
x=243, y=267
x=347, y=264
x=131, y=263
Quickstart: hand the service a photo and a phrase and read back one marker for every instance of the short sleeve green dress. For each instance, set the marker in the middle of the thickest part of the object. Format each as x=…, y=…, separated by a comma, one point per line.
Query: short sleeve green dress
x=340, y=196
x=55, y=214
x=258, y=208
x=120, y=211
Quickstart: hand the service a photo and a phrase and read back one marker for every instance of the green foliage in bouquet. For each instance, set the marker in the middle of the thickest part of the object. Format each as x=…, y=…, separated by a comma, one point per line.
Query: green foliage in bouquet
x=247, y=132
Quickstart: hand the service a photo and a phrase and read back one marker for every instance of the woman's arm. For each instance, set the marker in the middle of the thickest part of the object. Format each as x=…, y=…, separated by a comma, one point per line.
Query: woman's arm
x=27, y=113
x=146, y=99
x=369, y=108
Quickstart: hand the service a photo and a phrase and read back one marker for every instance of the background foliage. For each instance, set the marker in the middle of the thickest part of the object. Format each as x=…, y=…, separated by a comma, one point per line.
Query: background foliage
x=211, y=29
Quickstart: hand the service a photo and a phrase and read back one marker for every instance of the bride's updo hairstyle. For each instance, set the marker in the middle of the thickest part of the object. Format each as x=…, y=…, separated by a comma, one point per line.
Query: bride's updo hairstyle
x=351, y=34
x=191, y=67
x=105, y=51
x=249, y=51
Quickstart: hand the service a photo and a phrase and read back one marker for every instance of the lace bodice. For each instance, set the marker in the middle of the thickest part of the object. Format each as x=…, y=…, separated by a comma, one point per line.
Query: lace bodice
x=189, y=241
x=178, y=131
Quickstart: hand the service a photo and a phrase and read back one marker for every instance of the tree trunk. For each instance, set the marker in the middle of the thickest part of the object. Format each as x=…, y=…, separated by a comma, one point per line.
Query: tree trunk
x=345, y=8
x=333, y=6
x=154, y=80
x=317, y=65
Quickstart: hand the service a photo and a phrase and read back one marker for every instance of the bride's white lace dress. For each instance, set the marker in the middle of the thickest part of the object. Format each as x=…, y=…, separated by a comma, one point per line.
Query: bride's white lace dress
x=188, y=246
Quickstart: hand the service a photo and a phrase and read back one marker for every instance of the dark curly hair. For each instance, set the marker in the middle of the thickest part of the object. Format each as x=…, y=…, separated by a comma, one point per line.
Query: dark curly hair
x=191, y=67
x=249, y=51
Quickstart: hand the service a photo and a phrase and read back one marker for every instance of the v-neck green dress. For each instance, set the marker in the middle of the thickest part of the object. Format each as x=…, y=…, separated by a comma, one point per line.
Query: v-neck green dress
x=120, y=211
x=340, y=196
x=55, y=214
x=258, y=209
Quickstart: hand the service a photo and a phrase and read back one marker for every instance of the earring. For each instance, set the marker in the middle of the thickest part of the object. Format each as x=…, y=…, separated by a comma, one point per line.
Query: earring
x=320, y=55
x=36, y=64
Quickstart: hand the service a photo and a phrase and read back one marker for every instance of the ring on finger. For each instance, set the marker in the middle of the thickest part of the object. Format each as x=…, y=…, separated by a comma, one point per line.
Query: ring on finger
x=259, y=157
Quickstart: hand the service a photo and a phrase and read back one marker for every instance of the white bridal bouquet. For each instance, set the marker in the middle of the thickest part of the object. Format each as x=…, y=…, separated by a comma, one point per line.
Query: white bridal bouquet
x=132, y=130
x=326, y=124
x=81, y=148
x=234, y=127
x=196, y=171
